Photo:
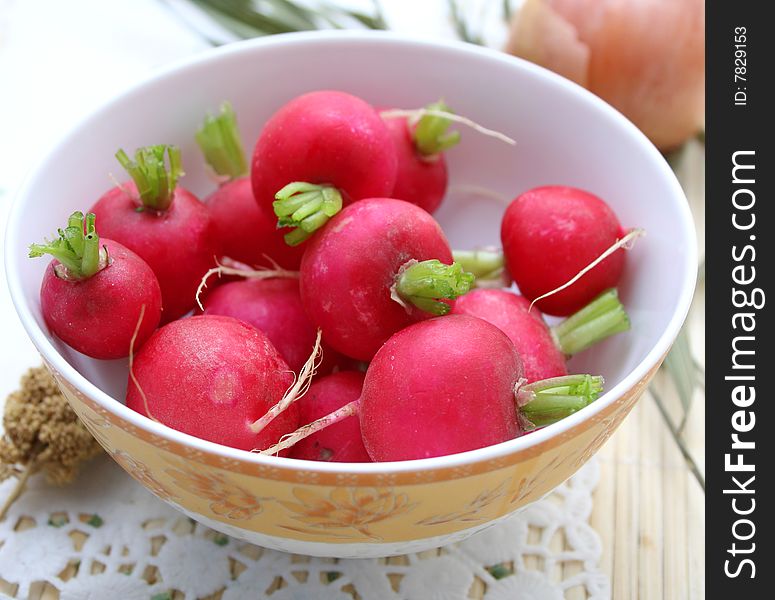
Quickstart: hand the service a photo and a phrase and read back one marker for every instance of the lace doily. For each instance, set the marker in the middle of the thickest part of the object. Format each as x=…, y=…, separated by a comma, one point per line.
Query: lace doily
x=105, y=536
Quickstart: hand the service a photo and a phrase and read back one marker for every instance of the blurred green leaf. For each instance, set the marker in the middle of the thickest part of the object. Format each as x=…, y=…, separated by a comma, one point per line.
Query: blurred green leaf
x=682, y=369
x=255, y=18
x=460, y=24
x=374, y=21
x=674, y=157
x=678, y=438
x=507, y=10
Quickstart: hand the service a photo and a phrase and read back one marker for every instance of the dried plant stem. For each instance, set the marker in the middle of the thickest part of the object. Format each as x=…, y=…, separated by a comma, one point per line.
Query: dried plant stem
x=288, y=440
x=17, y=490
x=417, y=113
x=625, y=242
x=297, y=390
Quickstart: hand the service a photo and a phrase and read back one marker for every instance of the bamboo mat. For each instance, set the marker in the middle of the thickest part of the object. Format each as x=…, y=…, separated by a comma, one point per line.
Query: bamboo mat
x=649, y=508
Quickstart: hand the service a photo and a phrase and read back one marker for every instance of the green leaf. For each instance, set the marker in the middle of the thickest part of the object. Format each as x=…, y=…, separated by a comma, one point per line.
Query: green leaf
x=461, y=26
x=220, y=539
x=674, y=157
x=293, y=14
x=678, y=439
x=248, y=19
x=375, y=21
x=332, y=576
x=507, y=10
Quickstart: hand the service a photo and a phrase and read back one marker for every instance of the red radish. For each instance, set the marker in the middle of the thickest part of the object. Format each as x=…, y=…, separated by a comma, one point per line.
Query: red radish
x=549, y=235
x=544, y=350
x=94, y=291
x=273, y=306
x=422, y=168
x=163, y=223
x=334, y=142
x=212, y=377
x=440, y=387
x=342, y=441
x=378, y=266
x=247, y=232
x=449, y=385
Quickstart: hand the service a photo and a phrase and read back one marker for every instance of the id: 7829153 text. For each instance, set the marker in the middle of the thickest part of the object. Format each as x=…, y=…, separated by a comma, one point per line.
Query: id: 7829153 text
x=741, y=66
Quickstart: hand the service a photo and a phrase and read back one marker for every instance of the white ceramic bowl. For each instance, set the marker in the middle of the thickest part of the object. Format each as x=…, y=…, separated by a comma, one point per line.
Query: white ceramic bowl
x=564, y=135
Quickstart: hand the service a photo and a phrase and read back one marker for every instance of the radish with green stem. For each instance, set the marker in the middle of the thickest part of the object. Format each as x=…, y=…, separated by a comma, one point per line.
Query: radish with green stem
x=342, y=441
x=246, y=230
x=449, y=385
x=212, y=377
x=549, y=235
x=93, y=291
x=378, y=266
x=420, y=145
x=543, y=349
x=166, y=225
x=332, y=142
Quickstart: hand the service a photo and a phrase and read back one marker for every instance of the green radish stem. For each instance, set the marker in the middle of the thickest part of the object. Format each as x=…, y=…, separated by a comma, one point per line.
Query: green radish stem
x=306, y=207
x=430, y=132
x=77, y=248
x=599, y=319
x=155, y=182
x=485, y=264
x=424, y=283
x=220, y=142
x=547, y=401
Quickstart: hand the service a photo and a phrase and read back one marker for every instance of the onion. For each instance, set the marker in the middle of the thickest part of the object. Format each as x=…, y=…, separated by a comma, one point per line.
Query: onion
x=645, y=57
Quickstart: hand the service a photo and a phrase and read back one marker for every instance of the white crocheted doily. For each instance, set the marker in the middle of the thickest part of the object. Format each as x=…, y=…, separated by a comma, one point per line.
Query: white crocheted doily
x=105, y=536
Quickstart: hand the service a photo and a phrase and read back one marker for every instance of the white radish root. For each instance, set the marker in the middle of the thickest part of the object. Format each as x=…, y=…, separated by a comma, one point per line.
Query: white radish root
x=132, y=364
x=289, y=439
x=299, y=387
x=229, y=266
x=626, y=242
x=415, y=114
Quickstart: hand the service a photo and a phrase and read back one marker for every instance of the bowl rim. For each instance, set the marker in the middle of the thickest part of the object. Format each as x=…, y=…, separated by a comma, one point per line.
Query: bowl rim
x=14, y=247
